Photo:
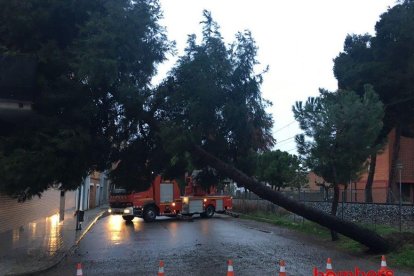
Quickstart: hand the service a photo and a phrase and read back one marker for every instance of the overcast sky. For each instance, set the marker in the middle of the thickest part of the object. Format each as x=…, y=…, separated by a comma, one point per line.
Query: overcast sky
x=297, y=39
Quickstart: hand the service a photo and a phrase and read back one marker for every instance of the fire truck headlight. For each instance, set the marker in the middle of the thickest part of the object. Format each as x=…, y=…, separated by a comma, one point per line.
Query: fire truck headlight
x=185, y=200
x=127, y=211
x=173, y=204
x=109, y=210
x=205, y=200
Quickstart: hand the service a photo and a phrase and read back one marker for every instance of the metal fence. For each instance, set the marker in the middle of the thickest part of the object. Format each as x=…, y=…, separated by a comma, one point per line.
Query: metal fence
x=372, y=214
x=379, y=196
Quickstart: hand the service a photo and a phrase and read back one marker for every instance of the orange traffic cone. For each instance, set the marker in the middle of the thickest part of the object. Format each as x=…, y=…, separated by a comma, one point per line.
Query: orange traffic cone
x=383, y=270
x=329, y=265
x=230, y=268
x=282, y=271
x=79, y=271
x=161, y=269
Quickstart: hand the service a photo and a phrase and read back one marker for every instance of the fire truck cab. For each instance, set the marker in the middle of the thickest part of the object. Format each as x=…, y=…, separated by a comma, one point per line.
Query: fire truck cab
x=119, y=199
x=163, y=198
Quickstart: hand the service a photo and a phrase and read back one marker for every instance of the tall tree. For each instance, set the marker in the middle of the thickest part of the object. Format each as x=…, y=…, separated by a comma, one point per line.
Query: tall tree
x=95, y=61
x=212, y=98
x=355, y=67
x=341, y=128
x=385, y=61
x=394, y=48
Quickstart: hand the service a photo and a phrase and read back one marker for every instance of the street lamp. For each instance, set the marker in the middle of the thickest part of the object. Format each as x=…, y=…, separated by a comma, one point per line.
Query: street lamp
x=399, y=167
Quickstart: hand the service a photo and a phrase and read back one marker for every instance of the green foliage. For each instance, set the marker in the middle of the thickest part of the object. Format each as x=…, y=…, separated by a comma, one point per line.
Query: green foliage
x=404, y=257
x=212, y=98
x=304, y=226
x=95, y=62
x=96, y=106
x=386, y=62
x=339, y=130
x=354, y=66
x=279, y=169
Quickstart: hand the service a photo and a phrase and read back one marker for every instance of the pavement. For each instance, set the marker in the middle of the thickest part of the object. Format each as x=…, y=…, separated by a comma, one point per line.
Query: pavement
x=42, y=244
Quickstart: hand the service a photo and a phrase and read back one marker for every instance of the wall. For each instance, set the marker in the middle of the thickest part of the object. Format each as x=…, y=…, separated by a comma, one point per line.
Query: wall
x=356, y=212
x=94, y=191
x=381, y=176
x=407, y=159
x=312, y=179
x=14, y=214
x=406, y=155
x=370, y=213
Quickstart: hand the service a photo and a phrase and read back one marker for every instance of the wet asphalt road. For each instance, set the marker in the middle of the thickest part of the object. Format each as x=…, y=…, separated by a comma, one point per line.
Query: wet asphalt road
x=201, y=247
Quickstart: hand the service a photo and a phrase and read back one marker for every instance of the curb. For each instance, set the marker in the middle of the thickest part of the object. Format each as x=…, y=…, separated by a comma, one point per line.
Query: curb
x=61, y=255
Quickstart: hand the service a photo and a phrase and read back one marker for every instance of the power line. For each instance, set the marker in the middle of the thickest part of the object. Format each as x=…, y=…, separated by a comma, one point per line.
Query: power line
x=291, y=150
x=284, y=127
x=285, y=140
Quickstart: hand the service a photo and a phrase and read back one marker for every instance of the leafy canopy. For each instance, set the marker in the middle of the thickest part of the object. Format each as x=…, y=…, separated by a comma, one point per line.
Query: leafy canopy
x=339, y=130
x=212, y=98
x=386, y=62
x=279, y=169
x=95, y=62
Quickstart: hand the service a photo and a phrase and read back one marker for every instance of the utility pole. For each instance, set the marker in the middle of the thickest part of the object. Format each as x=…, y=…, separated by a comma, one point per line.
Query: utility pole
x=400, y=167
x=62, y=205
x=79, y=213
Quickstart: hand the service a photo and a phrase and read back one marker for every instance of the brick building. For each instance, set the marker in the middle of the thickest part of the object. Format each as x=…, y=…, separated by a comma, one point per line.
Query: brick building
x=355, y=192
x=382, y=171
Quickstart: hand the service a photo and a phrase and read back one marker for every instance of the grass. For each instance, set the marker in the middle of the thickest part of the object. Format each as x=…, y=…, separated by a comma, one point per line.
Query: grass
x=285, y=221
x=404, y=257
x=401, y=256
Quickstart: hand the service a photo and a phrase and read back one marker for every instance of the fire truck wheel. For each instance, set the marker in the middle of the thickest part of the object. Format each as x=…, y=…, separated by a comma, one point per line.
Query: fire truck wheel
x=150, y=214
x=209, y=211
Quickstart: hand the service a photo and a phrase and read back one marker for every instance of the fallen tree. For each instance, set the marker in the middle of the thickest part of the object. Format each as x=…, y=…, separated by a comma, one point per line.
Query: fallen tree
x=369, y=238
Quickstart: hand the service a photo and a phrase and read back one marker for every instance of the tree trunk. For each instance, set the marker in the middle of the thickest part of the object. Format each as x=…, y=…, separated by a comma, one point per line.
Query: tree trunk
x=365, y=236
x=62, y=205
x=370, y=180
x=326, y=193
x=334, y=208
x=391, y=178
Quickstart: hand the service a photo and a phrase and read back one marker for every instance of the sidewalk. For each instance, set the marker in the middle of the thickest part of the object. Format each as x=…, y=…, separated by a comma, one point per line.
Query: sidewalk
x=43, y=243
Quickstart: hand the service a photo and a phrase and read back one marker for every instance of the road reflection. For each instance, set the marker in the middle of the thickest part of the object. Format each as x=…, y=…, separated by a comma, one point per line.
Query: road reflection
x=33, y=228
x=54, y=239
x=137, y=225
x=173, y=228
x=16, y=235
x=115, y=225
x=205, y=227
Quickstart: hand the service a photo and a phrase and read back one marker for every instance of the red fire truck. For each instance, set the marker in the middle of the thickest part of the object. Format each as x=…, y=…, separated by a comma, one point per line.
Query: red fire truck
x=163, y=198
